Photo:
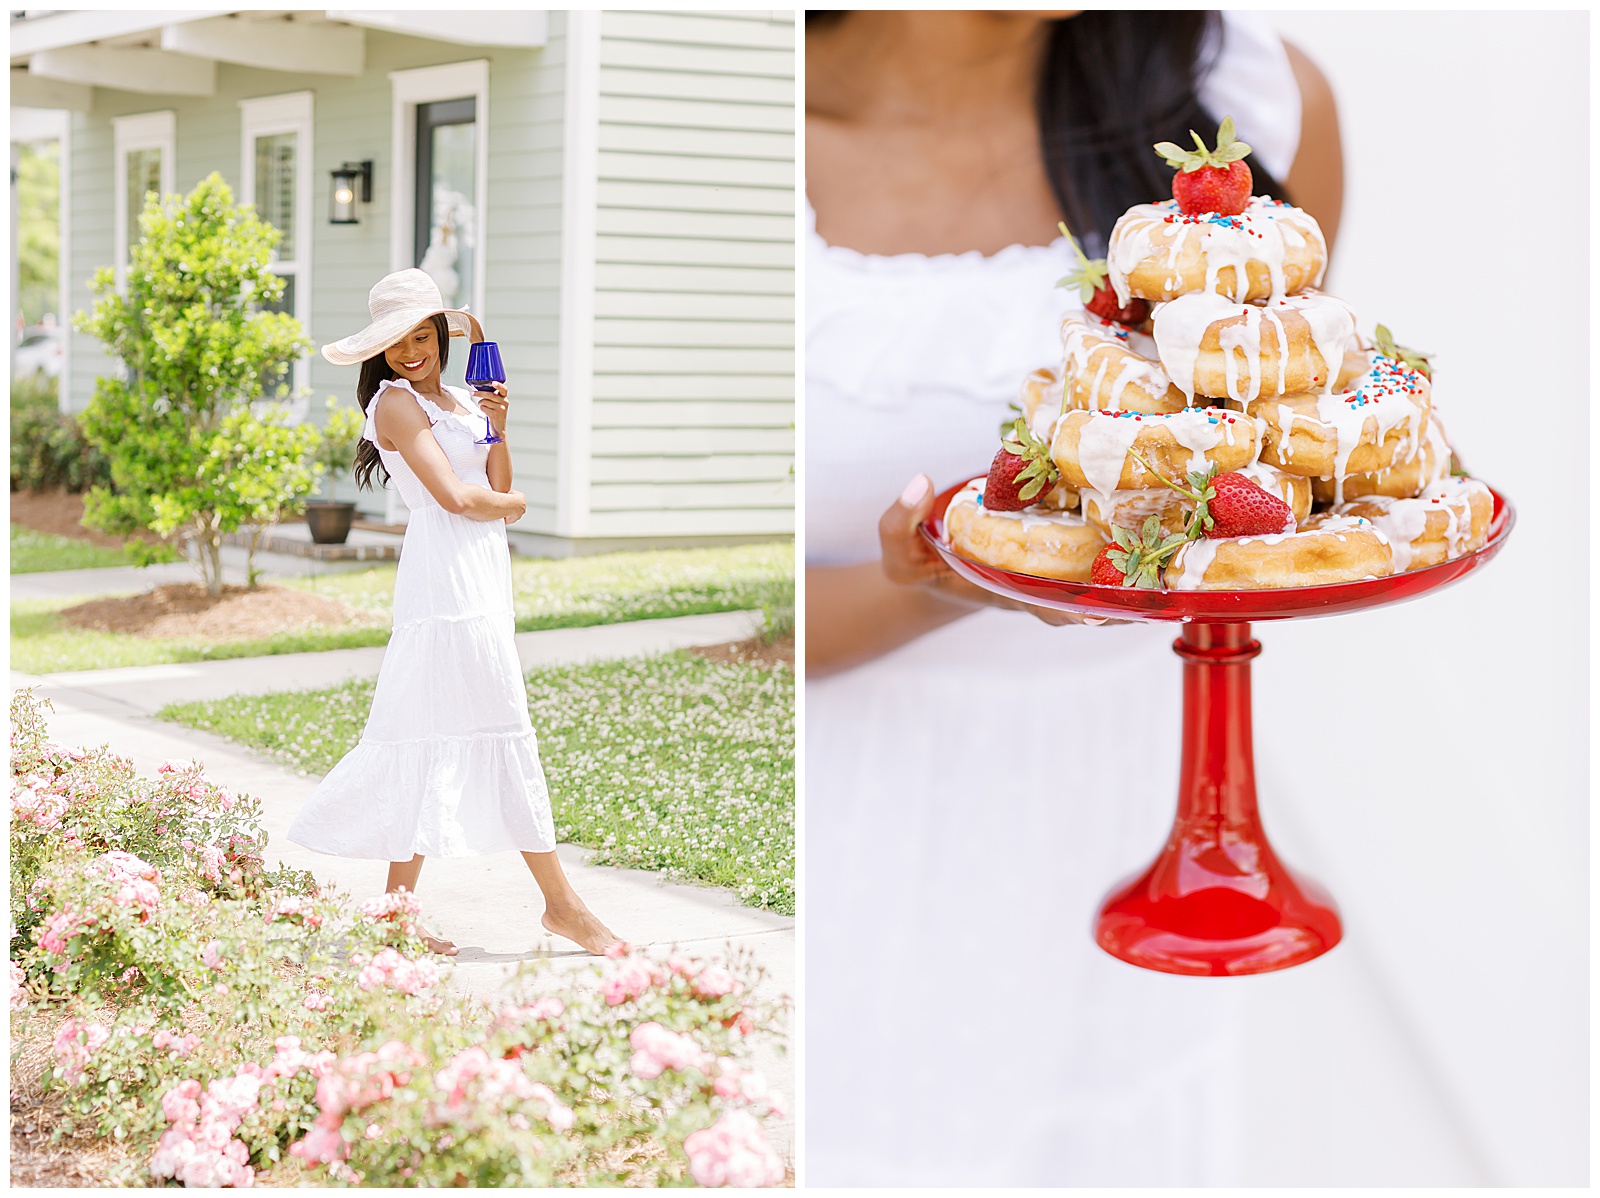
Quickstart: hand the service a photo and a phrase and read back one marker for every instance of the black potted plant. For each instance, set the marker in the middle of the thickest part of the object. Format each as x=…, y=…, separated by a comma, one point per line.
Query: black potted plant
x=328, y=519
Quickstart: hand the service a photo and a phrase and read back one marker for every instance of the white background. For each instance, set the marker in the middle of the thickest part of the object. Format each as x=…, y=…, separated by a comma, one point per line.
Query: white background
x=1429, y=762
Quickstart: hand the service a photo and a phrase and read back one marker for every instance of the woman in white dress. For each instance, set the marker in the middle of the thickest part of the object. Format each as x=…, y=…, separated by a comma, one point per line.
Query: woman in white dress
x=975, y=779
x=448, y=762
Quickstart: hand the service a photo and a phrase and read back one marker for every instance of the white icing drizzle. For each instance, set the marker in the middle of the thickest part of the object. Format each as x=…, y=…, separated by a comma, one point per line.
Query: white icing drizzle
x=1196, y=557
x=1088, y=344
x=1031, y=517
x=1105, y=438
x=1384, y=396
x=1128, y=509
x=1405, y=521
x=1181, y=325
x=1263, y=233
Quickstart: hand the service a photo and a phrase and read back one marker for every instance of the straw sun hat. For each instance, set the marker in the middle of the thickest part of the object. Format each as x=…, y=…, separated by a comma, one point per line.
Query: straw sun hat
x=399, y=303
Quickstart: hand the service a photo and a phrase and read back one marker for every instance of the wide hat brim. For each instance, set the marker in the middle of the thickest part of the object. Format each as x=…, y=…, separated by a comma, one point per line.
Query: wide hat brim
x=384, y=332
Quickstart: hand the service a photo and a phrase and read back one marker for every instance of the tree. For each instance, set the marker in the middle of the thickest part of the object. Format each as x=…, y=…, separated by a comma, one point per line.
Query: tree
x=196, y=345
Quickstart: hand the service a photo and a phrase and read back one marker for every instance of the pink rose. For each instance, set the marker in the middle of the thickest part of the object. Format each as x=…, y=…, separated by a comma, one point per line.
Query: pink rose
x=733, y=1151
x=712, y=982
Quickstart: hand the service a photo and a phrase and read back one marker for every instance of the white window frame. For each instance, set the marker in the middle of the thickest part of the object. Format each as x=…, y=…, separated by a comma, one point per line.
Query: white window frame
x=453, y=81
x=146, y=131
x=262, y=117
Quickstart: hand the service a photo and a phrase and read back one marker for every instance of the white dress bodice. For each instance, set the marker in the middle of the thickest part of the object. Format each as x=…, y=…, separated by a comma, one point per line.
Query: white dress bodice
x=456, y=432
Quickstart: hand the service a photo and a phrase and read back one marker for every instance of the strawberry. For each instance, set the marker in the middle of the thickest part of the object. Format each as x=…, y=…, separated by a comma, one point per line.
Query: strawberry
x=1089, y=277
x=1020, y=473
x=1242, y=509
x=1227, y=505
x=1135, y=559
x=1209, y=180
x=1413, y=358
x=1101, y=572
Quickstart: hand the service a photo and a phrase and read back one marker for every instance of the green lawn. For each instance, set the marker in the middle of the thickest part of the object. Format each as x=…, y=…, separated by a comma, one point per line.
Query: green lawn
x=548, y=593
x=671, y=762
x=32, y=552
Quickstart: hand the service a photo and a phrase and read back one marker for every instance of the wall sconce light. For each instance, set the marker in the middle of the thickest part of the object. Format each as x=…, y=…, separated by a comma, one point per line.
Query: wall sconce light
x=345, y=179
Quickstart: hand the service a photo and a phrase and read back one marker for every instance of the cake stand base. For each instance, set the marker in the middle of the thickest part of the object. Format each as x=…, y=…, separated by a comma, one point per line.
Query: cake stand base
x=1217, y=901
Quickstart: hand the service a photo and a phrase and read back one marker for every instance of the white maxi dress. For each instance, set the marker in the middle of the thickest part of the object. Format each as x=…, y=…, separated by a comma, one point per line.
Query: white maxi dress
x=448, y=762
x=972, y=796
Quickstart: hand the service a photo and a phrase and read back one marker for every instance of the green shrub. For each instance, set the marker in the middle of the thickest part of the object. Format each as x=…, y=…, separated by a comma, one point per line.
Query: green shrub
x=48, y=447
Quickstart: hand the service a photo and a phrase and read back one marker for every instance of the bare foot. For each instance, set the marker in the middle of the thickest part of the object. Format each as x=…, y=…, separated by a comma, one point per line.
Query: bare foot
x=581, y=927
x=438, y=944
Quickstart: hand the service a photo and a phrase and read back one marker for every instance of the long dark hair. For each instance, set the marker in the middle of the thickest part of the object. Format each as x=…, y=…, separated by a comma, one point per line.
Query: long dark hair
x=1111, y=84
x=374, y=371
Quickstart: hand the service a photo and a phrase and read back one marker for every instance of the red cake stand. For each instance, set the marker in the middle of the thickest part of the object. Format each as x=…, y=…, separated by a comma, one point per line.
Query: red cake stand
x=1217, y=901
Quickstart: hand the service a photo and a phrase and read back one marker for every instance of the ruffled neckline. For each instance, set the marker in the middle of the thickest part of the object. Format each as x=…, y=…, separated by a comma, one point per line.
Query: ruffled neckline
x=968, y=259
x=475, y=414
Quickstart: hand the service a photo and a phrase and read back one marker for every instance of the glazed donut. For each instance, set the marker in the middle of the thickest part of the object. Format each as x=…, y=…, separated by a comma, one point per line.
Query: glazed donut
x=1214, y=347
x=1108, y=366
x=1449, y=518
x=1271, y=249
x=1402, y=480
x=1362, y=431
x=1041, y=400
x=1129, y=509
x=1291, y=488
x=1037, y=541
x=1090, y=449
x=1341, y=549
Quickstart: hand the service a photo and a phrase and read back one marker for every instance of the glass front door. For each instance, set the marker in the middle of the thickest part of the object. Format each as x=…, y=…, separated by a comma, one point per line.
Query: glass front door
x=446, y=242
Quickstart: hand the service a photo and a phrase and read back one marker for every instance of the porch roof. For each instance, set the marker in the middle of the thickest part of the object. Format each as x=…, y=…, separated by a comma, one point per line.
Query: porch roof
x=58, y=58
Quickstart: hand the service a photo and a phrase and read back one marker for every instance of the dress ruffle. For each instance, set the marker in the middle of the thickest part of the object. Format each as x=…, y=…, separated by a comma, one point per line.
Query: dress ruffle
x=441, y=796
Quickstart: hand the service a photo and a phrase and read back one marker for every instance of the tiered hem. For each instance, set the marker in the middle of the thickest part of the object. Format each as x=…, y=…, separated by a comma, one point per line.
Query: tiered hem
x=439, y=795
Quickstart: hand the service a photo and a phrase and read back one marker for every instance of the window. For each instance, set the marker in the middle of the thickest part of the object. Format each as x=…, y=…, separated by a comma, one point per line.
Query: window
x=444, y=218
x=145, y=146
x=275, y=175
x=439, y=179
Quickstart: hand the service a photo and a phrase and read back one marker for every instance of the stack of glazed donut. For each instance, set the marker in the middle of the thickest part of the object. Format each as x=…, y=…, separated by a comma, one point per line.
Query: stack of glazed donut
x=1241, y=366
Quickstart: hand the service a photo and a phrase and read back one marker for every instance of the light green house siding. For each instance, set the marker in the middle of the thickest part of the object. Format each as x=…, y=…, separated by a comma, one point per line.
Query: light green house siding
x=681, y=426
x=694, y=355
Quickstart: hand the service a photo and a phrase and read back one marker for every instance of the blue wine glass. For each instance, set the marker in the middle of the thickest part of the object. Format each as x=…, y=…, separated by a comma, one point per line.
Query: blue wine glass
x=484, y=367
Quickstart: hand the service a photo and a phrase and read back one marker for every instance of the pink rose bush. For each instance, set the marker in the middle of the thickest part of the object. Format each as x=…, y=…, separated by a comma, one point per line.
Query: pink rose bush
x=74, y=1049
x=199, y=1148
x=391, y=969
x=233, y=1026
x=733, y=1151
x=295, y=910
x=656, y=1050
x=398, y=910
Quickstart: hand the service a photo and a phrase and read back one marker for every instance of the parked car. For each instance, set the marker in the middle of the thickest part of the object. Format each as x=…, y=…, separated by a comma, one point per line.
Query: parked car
x=40, y=351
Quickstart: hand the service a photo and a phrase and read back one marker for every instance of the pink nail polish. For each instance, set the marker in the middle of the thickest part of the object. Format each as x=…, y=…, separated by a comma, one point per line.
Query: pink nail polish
x=915, y=490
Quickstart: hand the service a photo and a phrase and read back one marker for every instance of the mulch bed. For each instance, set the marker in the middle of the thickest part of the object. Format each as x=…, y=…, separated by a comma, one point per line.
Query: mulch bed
x=60, y=513
x=81, y=1159
x=753, y=652
x=239, y=613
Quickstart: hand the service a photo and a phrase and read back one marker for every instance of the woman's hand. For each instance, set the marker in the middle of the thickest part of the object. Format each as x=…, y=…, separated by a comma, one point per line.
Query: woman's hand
x=495, y=405
x=909, y=560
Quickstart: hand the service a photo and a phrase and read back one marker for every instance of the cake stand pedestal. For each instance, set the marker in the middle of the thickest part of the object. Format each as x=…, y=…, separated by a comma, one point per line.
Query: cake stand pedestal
x=1216, y=901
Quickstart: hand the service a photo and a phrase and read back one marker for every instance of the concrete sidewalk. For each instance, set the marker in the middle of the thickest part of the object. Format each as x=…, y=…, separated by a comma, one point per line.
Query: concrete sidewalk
x=147, y=689
x=488, y=905
x=129, y=580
